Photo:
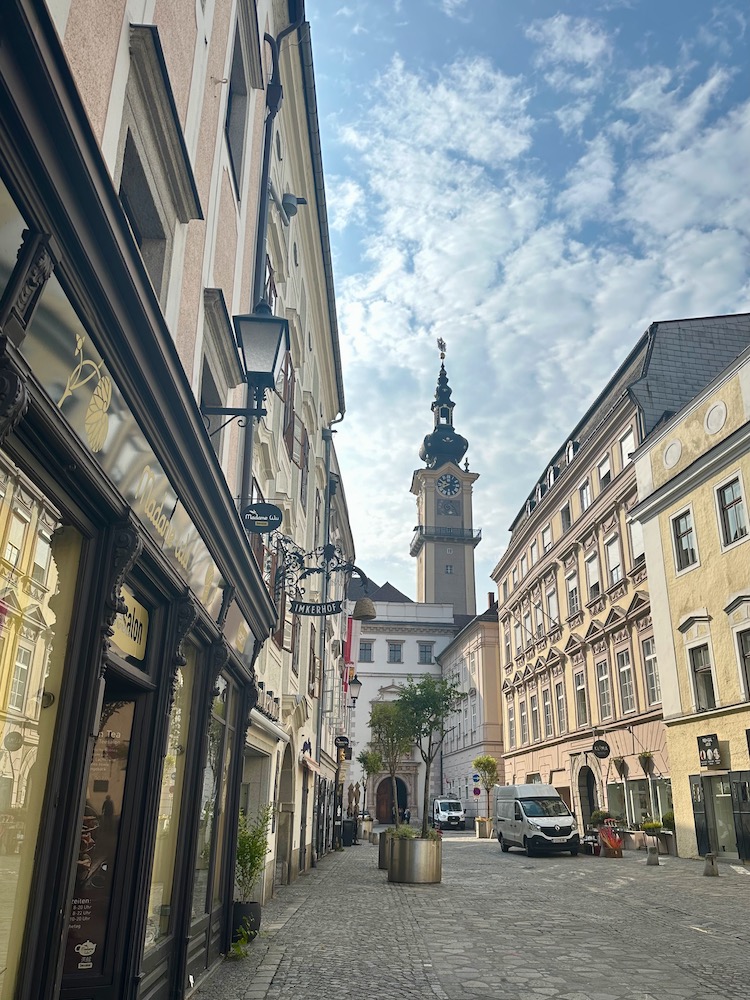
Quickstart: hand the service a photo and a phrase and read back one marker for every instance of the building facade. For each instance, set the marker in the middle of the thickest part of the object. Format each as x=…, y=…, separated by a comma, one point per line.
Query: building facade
x=693, y=476
x=134, y=606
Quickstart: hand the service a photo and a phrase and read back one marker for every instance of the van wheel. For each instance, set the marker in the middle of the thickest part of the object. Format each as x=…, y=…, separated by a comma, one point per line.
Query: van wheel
x=573, y=852
x=528, y=848
x=503, y=846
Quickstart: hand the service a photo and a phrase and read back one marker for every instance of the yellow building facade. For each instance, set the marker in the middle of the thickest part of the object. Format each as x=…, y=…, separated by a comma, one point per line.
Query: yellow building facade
x=693, y=476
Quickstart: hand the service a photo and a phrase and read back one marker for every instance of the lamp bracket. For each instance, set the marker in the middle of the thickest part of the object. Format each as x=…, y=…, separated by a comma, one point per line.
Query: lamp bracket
x=295, y=566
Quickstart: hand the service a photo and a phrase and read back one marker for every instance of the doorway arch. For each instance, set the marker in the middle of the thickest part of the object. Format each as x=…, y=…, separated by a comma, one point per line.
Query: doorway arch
x=587, y=794
x=384, y=800
x=285, y=819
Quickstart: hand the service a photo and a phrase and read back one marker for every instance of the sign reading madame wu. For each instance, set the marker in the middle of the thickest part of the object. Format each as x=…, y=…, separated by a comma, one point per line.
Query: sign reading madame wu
x=329, y=608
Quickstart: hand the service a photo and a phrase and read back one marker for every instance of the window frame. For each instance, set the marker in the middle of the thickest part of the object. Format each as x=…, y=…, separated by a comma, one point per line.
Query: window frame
x=629, y=433
x=655, y=673
x=566, y=527
x=589, y=561
x=720, y=511
x=523, y=719
x=546, y=546
x=364, y=659
x=430, y=647
x=604, y=460
x=613, y=538
x=534, y=552
x=584, y=495
x=702, y=643
x=743, y=659
x=622, y=671
x=536, y=729
x=394, y=644
x=688, y=567
x=561, y=707
x=582, y=687
x=548, y=714
x=511, y=712
x=604, y=661
x=572, y=593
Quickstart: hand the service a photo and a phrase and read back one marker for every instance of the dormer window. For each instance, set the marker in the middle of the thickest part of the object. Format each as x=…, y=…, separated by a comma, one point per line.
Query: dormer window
x=570, y=450
x=552, y=474
x=541, y=489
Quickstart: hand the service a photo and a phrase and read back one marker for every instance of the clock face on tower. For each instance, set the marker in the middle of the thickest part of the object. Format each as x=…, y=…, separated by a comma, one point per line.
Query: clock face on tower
x=448, y=485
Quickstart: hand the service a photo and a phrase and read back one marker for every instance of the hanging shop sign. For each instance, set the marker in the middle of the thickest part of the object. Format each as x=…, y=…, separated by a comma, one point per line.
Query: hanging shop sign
x=326, y=608
x=600, y=749
x=259, y=518
x=341, y=741
x=131, y=627
x=708, y=750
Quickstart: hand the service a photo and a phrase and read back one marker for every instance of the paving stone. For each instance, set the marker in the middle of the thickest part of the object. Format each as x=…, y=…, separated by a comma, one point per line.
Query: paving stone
x=502, y=927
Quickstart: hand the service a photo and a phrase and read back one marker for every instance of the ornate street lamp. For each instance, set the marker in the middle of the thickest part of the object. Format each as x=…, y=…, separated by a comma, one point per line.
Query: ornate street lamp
x=355, y=686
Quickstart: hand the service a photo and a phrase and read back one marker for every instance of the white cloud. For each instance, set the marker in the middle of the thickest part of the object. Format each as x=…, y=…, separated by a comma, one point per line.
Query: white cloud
x=453, y=7
x=590, y=184
x=345, y=202
x=573, y=52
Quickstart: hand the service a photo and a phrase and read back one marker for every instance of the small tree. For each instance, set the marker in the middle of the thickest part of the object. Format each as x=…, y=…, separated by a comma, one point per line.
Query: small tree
x=371, y=763
x=427, y=705
x=486, y=767
x=391, y=739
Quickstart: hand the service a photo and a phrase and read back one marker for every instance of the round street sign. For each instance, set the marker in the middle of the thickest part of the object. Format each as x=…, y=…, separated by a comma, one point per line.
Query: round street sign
x=261, y=517
x=477, y=791
x=600, y=749
x=475, y=778
x=341, y=741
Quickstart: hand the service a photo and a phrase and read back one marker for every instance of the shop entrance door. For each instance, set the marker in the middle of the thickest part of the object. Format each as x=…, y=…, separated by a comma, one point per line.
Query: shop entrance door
x=101, y=909
x=740, y=784
x=699, y=813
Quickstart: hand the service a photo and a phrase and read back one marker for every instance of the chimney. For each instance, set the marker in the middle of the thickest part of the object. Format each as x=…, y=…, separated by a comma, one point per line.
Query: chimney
x=490, y=599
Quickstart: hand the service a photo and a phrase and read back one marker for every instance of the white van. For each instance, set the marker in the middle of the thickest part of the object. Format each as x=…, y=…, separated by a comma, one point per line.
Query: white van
x=447, y=814
x=535, y=818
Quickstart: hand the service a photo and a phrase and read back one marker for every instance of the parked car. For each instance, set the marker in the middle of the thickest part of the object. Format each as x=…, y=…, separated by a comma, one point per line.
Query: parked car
x=447, y=814
x=535, y=818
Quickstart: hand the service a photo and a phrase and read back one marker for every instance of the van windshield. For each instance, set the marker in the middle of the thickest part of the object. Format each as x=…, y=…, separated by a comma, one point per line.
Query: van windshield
x=545, y=807
x=450, y=807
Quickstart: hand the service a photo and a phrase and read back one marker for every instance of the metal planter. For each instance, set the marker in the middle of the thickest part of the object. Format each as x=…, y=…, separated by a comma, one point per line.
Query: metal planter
x=416, y=861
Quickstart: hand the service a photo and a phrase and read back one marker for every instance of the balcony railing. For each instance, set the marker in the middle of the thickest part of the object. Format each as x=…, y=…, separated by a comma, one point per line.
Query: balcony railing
x=424, y=534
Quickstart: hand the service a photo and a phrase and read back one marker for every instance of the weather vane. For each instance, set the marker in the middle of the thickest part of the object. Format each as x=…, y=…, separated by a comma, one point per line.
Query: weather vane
x=441, y=348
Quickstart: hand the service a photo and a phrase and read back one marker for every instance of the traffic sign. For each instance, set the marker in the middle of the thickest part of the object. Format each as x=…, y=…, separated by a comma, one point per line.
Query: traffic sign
x=475, y=778
x=341, y=741
x=477, y=791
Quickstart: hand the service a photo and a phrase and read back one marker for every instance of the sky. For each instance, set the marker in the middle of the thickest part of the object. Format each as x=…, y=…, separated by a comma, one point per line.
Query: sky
x=535, y=182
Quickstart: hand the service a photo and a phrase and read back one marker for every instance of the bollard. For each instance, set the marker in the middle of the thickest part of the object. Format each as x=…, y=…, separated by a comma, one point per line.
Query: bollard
x=375, y=838
x=711, y=867
x=653, y=856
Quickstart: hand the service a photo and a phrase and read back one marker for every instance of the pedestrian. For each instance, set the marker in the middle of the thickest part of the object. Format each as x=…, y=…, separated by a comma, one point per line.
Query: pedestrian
x=407, y=816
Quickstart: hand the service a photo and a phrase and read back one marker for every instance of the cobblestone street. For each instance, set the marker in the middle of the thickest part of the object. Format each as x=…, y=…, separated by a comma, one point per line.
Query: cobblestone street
x=500, y=926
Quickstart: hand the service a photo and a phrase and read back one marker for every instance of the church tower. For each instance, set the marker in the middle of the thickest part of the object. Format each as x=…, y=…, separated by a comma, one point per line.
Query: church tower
x=444, y=539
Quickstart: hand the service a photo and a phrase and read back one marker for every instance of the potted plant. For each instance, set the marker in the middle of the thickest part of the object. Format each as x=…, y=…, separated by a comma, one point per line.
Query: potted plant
x=486, y=767
x=426, y=707
x=250, y=862
x=611, y=842
x=646, y=760
x=621, y=766
x=371, y=763
x=598, y=816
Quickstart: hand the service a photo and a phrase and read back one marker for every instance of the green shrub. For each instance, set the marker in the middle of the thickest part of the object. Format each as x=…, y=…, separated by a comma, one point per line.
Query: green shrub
x=599, y=815
x=651, y=827
x=667, y=820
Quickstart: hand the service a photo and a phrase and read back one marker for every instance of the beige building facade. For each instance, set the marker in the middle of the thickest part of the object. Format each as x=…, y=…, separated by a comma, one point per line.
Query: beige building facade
x=693, y=477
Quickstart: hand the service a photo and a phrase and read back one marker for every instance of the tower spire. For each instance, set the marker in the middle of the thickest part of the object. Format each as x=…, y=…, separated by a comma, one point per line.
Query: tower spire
x=443, y=444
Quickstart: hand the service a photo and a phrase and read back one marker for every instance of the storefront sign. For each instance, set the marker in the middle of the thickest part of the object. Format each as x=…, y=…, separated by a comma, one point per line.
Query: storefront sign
x=708, y=750
x=261, y=517
x=341, y=741
x=328, y=608
x=131, y=628
x=600, y=749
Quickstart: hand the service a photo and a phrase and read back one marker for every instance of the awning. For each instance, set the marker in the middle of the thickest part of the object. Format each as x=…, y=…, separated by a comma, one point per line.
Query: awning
x=309, y=763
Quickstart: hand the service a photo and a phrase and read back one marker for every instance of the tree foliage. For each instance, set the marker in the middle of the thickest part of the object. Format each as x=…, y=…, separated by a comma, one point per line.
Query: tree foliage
x=427, y=705
x=371, y=762
x=391, y=739
x=486, y=768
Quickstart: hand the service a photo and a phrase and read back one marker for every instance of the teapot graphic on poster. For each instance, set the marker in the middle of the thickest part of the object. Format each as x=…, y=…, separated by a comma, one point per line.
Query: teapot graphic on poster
x=85, y=949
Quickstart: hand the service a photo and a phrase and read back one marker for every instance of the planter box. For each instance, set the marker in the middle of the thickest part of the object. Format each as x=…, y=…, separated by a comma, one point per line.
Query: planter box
x=242, y=912
x=611, y=852
x=416, y=862
x=483, y=828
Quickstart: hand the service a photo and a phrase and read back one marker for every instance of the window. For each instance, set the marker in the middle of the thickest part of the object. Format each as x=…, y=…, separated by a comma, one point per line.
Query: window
x=524, y=565
x=743, y=641
x=565, y=519
x=582, y=708
x=592, y=576
x=524, y=723
x=605, y=472
x=449, y=569
x=703, y=681
x=425, y=652
x=584, y=492
x=574, y=604
x=528, y=635
x=514, y=577
x=473, y=715
x=41, y=560
x=296, y=636
x=14, y=542
x=731, y=512
x=506, y=636
x=236, y=119
x=653, y=686
x=511, y=725
x=518, y=637
x=627, y=688
x=312, y=667
x=547, y=711
x=534, y=706
x=636, y=543
x=539, y=619
x=547, y=538
x=17, y=695
x=562, y=712
x=534, y=552
x=605, y=689
x=684, y=540
x=395, y=652
x=627, y=447
x=614, y=565
x=304, y=462
x=365, y=651
x=505, y=589
x=553, y=613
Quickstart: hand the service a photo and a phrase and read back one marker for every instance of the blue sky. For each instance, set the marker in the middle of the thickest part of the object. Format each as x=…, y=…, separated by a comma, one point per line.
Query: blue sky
x=535, y=182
